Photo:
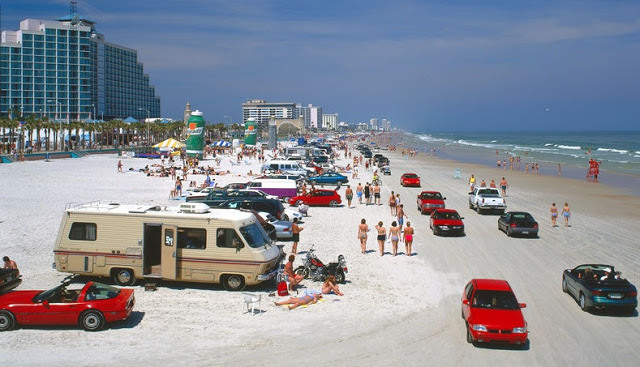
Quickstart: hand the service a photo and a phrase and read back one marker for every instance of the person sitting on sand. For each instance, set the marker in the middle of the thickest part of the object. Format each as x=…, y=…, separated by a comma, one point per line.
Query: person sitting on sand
x=330, y=286
x=294, y=302
x=294, y=279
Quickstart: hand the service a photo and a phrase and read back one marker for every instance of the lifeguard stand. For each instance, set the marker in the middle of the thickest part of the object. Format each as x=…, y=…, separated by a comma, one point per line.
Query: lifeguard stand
x=457, y=174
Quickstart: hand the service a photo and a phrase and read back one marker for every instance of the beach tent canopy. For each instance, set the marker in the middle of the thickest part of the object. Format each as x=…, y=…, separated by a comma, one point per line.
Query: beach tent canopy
x=130, y=120
x=169, y=143
x=221, y=143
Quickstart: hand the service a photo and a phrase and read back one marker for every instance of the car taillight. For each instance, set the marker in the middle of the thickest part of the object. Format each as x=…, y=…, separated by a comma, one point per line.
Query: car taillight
x=597, y=293
x=286, y=229
x=535, y=225
x=633, y=294
x=513, y=225
x=482, y=200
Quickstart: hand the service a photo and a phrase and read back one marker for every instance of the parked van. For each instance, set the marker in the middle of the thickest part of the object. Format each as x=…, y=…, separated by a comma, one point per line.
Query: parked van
x=189, y=243
x=282, y=188
x=291, y=167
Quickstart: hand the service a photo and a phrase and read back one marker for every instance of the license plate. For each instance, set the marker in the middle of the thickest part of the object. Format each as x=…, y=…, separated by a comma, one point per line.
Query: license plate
x=615, y=295
x=525, y=232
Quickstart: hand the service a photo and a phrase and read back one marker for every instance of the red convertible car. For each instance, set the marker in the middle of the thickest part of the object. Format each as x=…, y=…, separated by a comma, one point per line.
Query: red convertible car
x=410, y=179
x=317, y=197
x=90, y=307
x=492, y=313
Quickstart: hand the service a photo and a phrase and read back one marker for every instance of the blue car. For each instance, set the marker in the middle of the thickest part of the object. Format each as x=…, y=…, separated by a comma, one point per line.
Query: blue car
x=599, y=286
x=329, y=178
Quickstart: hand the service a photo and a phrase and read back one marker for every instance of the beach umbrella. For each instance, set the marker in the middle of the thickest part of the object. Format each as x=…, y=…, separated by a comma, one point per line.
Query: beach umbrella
x=170, y=143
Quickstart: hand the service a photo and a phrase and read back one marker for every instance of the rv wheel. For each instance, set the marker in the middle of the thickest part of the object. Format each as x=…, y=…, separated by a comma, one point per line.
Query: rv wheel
x=123, y=277
x=233, y=282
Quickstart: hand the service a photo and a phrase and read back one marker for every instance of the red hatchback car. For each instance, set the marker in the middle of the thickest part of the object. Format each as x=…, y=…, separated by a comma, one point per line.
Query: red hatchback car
x=90, y=307
x=492, y=313
x=317, y=197
x=410, y=179
x=446, y=221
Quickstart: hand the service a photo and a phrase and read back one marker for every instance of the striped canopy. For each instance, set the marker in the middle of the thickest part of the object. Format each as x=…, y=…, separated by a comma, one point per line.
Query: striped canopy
x=221, y=143
x=170, y=143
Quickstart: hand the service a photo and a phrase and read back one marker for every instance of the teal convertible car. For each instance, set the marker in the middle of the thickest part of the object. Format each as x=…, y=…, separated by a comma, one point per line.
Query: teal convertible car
x=600, y=286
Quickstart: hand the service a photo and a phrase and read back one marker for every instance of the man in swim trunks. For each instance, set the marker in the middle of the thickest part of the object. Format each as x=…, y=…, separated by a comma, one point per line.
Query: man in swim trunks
x=376, y=194
x=408, y=238
x=401, y=216
x=503, y=186
x=349, y=195
x=295, y=229
x=382, y=236
x=294, y=279
x=359, y=189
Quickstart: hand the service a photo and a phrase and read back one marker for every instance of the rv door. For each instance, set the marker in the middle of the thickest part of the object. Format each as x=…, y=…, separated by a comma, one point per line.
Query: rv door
x=169, y=245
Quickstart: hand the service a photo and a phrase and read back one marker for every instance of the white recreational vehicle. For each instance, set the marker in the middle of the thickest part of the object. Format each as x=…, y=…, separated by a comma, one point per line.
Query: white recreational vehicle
x=189, y=243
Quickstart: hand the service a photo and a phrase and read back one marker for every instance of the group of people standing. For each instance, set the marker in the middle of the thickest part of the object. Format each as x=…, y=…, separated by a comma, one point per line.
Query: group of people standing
x=394, y=234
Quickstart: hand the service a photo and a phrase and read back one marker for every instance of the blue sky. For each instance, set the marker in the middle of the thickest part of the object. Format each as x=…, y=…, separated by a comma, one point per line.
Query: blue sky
x=425, y=65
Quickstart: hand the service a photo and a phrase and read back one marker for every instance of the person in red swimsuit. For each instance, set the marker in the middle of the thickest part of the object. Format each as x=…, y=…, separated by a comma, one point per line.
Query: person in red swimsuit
x=408, y=238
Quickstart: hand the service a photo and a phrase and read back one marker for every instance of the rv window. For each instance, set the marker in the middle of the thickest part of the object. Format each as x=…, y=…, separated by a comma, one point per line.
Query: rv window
x=192, y=238
x=227, y=237
x=254, y=235
x=82, y=231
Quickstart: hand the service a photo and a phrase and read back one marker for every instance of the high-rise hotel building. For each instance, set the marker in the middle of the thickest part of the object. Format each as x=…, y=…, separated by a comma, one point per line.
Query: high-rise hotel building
x=65, y=69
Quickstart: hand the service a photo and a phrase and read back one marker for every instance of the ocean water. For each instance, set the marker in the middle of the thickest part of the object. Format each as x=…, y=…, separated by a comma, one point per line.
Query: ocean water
x=619, y=152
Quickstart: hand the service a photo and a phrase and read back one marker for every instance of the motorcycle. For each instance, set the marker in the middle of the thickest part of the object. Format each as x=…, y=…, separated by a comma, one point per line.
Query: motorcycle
x=316, y=270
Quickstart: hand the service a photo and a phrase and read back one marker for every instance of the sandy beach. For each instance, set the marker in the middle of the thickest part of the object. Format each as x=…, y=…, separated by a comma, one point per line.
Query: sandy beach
x=396, y=310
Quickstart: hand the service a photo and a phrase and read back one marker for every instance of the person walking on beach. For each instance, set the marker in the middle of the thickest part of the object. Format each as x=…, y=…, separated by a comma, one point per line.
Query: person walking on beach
x=472, y=182
x=503, y=186
x=367, y=193
x=566, y=213
x=382, y=236
x=394, y=233
x=359, y=192
x=400, y=215
x=492, y=184
x=295, y=229
x=120, y=166
x=363, y=228
x=376, y=194
x=392, y=204
x=348, y=193
x=554, y=215
x=407, y=236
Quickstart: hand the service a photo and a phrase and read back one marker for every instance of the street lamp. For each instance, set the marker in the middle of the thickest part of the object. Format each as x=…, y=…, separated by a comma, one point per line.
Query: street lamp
x=146, y=122
x=58, y=107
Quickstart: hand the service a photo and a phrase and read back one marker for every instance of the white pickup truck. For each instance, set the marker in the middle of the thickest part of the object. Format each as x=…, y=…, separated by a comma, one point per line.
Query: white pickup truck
x=487, y=199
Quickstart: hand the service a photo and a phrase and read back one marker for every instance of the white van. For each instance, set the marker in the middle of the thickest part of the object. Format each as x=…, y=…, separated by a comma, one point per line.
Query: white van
x=189, y=243
x=291, y=167
x=282, y=188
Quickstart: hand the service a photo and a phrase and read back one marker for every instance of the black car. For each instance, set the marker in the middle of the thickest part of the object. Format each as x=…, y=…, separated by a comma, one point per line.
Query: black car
x=320, y=159
x=9, y=279
x=217, y=197
x=271, y=206
x=368, y=154
x=599, y=286
x=518, y=223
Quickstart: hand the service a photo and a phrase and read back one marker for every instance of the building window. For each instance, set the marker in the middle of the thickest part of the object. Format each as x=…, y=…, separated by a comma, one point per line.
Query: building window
x=82, y=231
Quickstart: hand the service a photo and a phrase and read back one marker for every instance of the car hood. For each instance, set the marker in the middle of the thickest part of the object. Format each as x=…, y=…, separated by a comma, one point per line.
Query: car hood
x=497, y=319
x=431, y=201
x=18, y=297
x=447, y=222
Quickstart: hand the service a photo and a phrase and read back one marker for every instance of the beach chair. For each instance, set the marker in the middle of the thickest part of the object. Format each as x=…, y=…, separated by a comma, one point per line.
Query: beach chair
x=249, y=302
x=457, y=174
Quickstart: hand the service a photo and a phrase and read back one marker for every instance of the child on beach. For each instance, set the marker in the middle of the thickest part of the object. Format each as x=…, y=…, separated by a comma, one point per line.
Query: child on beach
x=408, y=239
x=382, y=236
x=363, y=228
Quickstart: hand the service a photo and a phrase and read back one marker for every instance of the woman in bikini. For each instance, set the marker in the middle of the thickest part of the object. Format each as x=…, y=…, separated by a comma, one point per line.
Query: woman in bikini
x=566, y=213
x=554, y=215
x=294, y=302
x=408, y=238
x=394, y=232
x=330, y=286
x=363, y=228
x=382, y=236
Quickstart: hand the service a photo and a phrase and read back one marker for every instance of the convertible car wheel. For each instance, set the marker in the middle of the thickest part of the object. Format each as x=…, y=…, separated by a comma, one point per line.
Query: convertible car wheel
x=583, y=303
x=7, y=321
x=92, y=320
x=565, y=289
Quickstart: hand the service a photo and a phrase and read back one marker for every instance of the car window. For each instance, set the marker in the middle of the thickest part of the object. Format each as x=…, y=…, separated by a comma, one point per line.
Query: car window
x=98, y=291
x=469, y=290
x=499, y=300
